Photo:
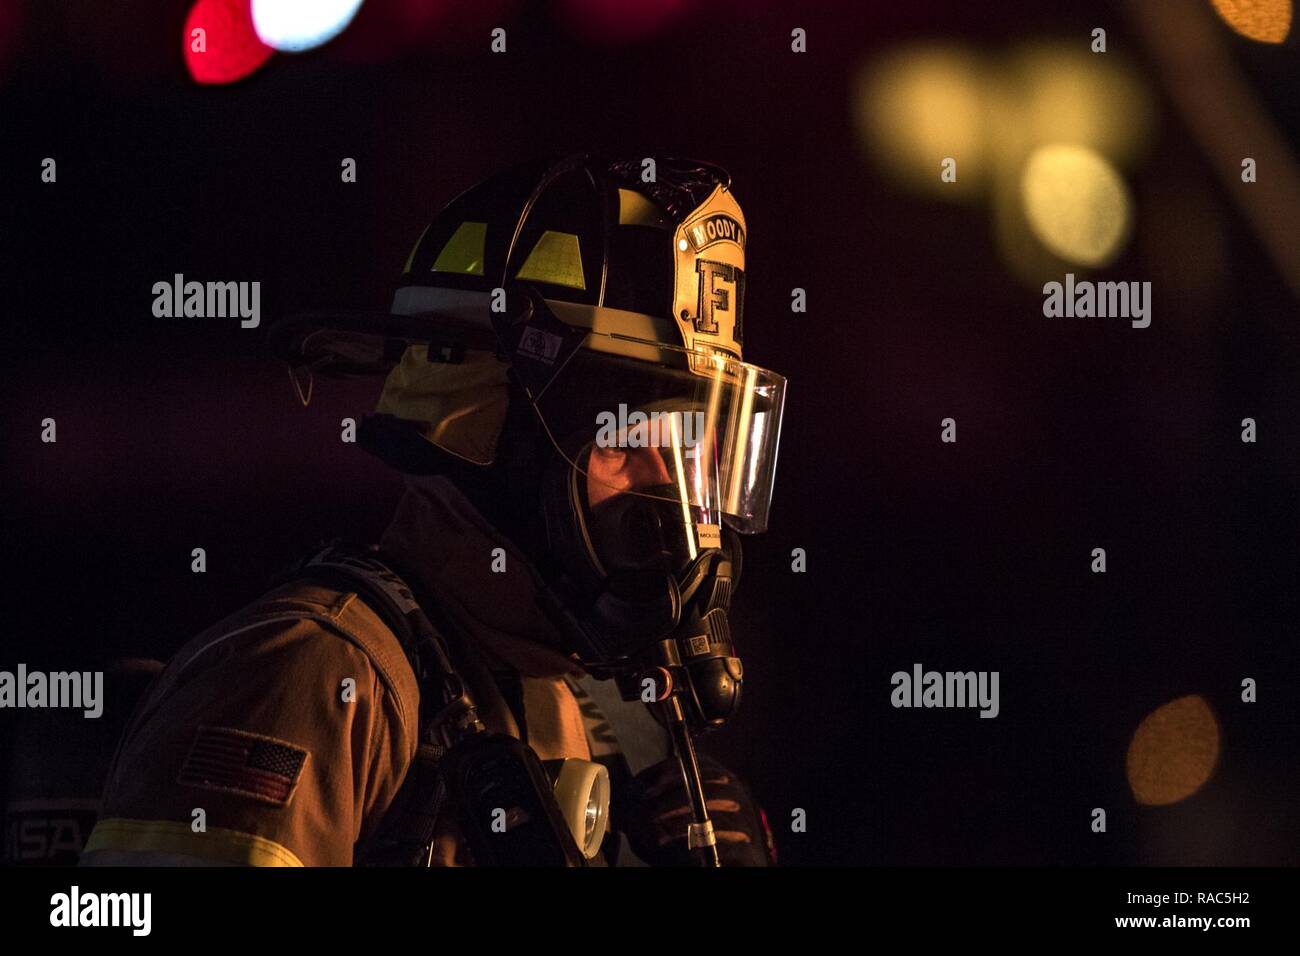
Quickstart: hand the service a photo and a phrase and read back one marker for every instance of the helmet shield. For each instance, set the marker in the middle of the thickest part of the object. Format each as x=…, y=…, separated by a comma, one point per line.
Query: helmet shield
x=693, y=433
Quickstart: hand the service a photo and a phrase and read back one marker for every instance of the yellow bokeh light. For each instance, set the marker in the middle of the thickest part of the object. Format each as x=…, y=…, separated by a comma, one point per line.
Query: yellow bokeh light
x=1173, y=752
x=919, y=106
x=1064, y=94
x=1076, y=203
x=1268, y=21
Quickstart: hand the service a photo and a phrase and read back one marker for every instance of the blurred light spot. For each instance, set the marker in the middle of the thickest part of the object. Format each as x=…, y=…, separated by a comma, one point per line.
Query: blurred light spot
x=1173, y=751
x=1076, y=203
x=619, y=20
x=918, y=106
x=296, y=25
x=1268, y=21
x=1064, y=94
x=231, y=51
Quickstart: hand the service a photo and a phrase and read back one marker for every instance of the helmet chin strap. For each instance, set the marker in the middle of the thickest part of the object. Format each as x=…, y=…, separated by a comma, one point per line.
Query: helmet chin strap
x=626, y=615
x=670, y=630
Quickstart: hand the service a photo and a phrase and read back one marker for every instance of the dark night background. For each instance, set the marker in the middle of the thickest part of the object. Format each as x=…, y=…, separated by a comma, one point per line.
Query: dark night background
x=1073, y=433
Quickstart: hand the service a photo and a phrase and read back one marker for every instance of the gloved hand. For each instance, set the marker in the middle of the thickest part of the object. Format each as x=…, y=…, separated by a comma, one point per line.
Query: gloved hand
x=659, y=811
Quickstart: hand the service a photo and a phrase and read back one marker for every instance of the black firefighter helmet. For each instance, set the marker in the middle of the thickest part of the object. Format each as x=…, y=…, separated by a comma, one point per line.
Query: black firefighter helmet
x=609, y=297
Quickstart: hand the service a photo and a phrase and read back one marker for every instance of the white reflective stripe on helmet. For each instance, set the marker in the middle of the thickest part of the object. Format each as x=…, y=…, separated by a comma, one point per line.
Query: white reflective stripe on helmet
x=616, y=326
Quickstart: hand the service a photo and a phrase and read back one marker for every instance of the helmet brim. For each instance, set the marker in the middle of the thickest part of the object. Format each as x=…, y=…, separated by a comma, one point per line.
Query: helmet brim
x=359, y=344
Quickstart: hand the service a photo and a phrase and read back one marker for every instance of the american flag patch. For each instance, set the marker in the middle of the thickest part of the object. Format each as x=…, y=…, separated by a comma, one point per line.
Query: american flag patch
x=235, y=761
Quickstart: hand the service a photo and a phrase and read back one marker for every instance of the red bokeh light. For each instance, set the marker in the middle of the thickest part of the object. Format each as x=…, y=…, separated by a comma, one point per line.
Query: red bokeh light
x=233, y=50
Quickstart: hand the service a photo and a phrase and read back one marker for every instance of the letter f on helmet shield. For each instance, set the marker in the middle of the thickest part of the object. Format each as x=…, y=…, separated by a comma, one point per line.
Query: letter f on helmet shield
x=711, y=296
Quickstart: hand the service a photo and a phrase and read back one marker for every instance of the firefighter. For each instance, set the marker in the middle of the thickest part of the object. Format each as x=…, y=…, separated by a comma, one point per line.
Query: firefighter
x=540, y=564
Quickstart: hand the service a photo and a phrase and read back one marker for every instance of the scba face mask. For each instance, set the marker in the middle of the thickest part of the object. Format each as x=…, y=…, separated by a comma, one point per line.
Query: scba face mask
x=632, y=552
x=648, y=582
x=663, y=457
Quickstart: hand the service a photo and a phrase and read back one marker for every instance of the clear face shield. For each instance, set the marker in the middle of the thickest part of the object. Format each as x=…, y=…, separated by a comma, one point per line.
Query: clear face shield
x=665, y=445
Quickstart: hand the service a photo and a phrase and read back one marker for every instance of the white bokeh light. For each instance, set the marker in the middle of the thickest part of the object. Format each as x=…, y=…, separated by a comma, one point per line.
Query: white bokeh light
x=292, y=26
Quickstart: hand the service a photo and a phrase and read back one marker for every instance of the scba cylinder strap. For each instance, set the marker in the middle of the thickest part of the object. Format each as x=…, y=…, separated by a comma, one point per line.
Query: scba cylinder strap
x=458, y=764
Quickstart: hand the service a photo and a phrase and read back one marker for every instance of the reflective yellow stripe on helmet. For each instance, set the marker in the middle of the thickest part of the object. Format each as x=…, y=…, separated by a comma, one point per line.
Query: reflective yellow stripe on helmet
x=463, y=252
x=557, y=259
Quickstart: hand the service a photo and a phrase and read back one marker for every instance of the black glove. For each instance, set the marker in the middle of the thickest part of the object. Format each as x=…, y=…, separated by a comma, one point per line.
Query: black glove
x=659, y=811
